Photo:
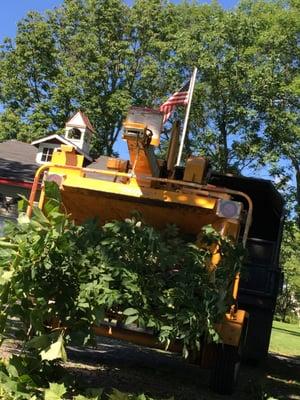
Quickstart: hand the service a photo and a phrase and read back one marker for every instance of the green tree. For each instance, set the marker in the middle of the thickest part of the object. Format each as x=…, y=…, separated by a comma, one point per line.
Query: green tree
x=288, y=303
x=245, y=112
x=277, y=89
x=97, y=55
x=227, y=126
x=72, y=57
x=103, y=56
x=28, y=68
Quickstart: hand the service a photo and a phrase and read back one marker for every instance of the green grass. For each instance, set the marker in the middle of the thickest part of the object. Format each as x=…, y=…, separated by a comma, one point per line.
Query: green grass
x=285, y=339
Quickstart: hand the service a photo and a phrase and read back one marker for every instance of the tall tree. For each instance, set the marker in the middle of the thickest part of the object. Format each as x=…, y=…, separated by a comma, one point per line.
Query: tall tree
x=98, y=55
x=72, y=57
x=288, y=303
x=217, y=41
x=246, y=106
x=276, y=83
x=27, y=71
x=103, y=56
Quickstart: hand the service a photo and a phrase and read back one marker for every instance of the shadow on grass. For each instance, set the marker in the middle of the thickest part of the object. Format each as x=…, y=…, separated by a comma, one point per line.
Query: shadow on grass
x=282, y=379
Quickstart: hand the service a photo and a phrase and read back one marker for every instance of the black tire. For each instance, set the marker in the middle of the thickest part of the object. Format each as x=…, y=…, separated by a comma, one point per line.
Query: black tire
x=224, y=374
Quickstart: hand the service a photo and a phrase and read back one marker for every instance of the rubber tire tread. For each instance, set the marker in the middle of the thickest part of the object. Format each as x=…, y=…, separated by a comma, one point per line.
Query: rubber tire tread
x=223, y=375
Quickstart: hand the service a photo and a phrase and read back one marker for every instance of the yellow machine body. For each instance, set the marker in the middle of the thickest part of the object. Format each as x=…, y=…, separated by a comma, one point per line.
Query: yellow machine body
x=114, y=193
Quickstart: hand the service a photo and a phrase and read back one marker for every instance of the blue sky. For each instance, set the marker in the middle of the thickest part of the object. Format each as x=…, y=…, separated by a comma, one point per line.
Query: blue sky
x=13, y=10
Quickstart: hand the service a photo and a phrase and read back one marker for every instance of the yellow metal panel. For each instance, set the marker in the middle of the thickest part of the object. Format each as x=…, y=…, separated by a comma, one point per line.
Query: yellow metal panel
x=86, y=198
x=66, y=155
x=194, y=169
x=134, y=336
x=135, y=191
x=230, y=329
x=83, y=204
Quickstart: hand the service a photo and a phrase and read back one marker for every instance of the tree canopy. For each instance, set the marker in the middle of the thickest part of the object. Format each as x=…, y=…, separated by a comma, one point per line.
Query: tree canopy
x=103, y=56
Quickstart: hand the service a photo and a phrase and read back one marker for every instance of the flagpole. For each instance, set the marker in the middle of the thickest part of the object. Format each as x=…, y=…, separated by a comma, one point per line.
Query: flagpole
x=187, y=114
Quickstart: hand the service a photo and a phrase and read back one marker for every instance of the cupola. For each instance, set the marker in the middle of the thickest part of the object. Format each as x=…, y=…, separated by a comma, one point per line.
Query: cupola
x=79, y=131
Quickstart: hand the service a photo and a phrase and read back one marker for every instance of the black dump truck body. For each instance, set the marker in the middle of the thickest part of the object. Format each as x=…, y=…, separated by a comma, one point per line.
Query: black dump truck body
x=262, y=277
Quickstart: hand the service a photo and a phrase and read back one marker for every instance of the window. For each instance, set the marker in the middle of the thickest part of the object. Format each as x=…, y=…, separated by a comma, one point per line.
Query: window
x=47, y=154
x=74, y=133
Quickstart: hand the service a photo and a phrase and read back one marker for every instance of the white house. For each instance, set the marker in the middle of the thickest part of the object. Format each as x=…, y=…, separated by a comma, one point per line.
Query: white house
x=78, y=133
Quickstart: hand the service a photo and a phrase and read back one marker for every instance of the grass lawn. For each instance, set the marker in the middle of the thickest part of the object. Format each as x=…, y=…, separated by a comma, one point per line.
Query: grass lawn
x=285, y=339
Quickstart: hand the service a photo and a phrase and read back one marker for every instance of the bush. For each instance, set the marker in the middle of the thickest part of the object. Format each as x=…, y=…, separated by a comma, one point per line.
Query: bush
x=60, y=280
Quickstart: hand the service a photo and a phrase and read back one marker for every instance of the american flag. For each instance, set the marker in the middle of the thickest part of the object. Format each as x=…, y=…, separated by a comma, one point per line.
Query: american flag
x=178, y=98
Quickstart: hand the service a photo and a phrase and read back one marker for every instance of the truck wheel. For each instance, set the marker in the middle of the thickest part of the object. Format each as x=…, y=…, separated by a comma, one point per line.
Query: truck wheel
x=224, y=374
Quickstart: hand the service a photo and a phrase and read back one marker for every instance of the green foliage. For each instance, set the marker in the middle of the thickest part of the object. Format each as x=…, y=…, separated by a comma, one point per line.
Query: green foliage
x=100, y=56
x=165, y=281
x=103, y=56
x=116, y=395
x=54, y=351
x=288, y=302
x=21, y=387
x=55, y=391
x=53, y=272
x=59, y=280
x=24, y=377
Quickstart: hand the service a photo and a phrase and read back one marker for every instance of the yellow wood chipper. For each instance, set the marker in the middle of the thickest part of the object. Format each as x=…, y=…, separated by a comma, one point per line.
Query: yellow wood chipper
x=189, y=197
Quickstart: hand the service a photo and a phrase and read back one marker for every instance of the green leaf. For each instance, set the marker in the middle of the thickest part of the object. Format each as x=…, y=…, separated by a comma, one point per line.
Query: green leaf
x=55, y=351
x=40, y=216
x=22, y=204
x=117, y=395
x=52, y=191
x=166, y=328
x=130, y=311
x=55, y=391
x=131, y=319
x=51, y=206
x=23, y=219
x=7, y=245
x=6, y=277
x=12, y=370
x=39, y=342
x=91, y=394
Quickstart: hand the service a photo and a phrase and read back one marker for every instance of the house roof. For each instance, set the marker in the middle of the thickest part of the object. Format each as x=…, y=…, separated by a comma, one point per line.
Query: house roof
x=100, y=163
x=51, y=138
x=17, y=161
x=80, y=120
x=57, y=138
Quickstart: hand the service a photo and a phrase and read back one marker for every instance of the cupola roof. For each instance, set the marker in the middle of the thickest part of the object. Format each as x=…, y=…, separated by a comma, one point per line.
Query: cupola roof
x=80, y=120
